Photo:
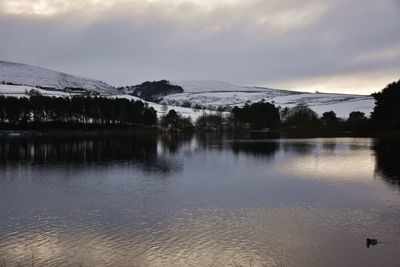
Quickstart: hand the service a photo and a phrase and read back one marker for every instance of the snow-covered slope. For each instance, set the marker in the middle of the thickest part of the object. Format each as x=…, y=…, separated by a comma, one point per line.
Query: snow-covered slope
x=213, y=95
x=208, y=95
x=216, y=86
x=22, y=74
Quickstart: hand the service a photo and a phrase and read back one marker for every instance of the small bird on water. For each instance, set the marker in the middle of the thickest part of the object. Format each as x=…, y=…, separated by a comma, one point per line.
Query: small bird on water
x=371, y=242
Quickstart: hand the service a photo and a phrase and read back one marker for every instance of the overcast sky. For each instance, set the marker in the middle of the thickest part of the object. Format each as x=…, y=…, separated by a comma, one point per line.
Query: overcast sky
x=349, y=46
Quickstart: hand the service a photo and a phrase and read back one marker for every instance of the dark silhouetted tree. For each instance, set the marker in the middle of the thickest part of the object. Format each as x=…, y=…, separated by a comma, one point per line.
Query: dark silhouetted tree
x=175, y=121
x=357, y=115
x=358, y=123
x=210, y=122
x=256, y=116
x=302, y=117
x=386, y=114
x=329, y=118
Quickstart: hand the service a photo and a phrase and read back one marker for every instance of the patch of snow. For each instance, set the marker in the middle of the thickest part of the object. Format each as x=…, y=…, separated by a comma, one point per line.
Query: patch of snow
x=341, y=104
x=186, y=112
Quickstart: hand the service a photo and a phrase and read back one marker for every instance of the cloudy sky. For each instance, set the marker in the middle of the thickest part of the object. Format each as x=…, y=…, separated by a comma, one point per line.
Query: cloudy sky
x=350, y=46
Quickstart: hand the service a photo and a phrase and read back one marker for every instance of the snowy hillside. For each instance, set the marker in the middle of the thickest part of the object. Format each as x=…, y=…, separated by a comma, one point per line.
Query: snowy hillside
x=213, y=95
x=16, y=79
x=216, y=86
x=22, y=74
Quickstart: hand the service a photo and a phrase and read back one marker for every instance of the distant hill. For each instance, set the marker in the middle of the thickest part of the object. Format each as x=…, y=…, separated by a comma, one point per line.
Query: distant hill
x=22, y=74
x=184, y=96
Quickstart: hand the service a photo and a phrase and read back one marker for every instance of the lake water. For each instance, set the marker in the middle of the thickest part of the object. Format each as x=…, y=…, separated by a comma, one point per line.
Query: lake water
x=199, y=201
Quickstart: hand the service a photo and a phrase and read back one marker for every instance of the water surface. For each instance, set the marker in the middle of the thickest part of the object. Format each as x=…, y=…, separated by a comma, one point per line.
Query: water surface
x=199, y=201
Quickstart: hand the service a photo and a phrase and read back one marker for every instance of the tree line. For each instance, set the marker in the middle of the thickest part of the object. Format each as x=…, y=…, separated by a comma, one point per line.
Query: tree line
x=297, y=120
x=39, y=111
x=43, y=111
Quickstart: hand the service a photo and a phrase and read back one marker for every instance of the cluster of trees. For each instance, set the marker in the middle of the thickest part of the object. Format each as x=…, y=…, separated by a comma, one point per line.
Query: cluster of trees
x=207, y=122
x=211, y=122
x=302, y=119
x=42, y=110
x=266, y=116
x=154, y=91
x=175, y=121
x=256, y=116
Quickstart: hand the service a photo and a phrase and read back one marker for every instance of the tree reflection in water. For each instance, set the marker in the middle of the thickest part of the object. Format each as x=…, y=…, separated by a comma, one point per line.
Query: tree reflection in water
x=387, y=156
x=140, y=150
x=152, y=153
x=260, y=146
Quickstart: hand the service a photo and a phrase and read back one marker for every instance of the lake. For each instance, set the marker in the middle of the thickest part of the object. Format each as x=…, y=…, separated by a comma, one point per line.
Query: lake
x=199, y=201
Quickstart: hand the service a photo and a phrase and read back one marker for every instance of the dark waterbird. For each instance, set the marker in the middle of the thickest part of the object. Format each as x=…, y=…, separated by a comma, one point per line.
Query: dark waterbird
x=374, y=242
x=371, y=242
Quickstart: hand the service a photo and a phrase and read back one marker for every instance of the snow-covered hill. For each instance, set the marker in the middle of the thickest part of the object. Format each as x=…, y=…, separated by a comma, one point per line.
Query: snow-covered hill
x=22, y=74
x=214, y=95
x=209, y=95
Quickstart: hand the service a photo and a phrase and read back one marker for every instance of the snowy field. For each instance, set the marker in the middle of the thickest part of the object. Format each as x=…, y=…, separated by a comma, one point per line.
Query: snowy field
x=216, y=94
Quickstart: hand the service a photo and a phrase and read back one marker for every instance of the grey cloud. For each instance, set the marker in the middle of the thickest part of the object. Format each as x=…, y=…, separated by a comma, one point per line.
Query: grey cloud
x=255, y=42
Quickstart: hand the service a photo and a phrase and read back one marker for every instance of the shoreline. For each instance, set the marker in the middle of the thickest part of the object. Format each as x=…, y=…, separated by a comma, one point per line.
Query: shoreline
x=126, y=132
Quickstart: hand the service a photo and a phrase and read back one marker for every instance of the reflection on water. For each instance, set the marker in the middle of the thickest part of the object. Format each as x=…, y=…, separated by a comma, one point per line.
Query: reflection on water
x=78, y=150
x=266, y=149
x=387, y=154
x=141, y=151
x=198, y=201
x=330, y=160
